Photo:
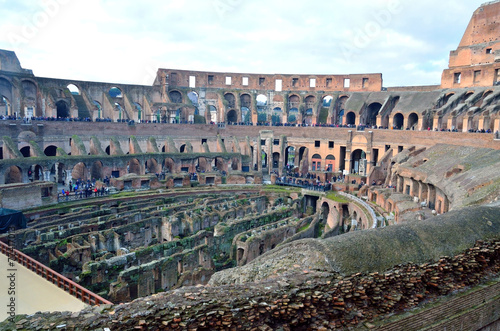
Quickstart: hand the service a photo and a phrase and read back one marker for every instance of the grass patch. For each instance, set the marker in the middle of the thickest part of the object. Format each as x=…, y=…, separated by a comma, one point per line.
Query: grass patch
x=337, y=197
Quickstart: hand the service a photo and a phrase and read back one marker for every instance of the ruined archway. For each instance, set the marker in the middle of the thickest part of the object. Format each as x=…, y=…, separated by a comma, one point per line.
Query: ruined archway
x=35, y=172
x=277, y=116
x=152, y=166
x=230, y=100
x=96, y=170
x=80, y=171
x=58, y=173
x=62, y=109
x=232, y=116
x=134, y=167
x=212, y=113
x=13, y=175
x=169, y=165
x=371, y=114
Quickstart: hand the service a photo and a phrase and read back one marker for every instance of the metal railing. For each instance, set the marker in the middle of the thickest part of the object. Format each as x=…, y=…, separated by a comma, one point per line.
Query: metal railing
x=55, y=278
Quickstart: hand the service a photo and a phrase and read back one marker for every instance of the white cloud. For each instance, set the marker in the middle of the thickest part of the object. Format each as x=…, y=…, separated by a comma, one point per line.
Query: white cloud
x=121, y=41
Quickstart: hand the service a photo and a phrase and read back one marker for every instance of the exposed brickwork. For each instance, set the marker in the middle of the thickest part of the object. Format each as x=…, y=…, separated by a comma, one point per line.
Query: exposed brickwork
x=295, y=303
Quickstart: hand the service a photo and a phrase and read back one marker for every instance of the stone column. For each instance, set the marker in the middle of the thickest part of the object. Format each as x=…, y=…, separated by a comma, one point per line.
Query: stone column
x=496, y=125
x=46, y=175
x=68, y=176
x=436, y=122
x=466, y=123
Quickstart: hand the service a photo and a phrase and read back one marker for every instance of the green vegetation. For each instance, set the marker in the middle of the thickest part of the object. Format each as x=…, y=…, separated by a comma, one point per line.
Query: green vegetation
x=337, y=197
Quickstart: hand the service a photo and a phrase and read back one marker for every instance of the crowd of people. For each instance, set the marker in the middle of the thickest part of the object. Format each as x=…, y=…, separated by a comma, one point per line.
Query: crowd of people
x=360, y=127
x=81, y=189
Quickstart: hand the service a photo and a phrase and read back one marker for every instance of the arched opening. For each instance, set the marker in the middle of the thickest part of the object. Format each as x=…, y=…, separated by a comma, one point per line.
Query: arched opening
x=246, y=103
x=276, y=160
x=371, y=114
x=235, y=163
x=175, y=96
x=182, y=149
x=303, y=162
x=139, y=111
x=339, y=112
x=232, y=116
x=5, y=106
x=330, y=163
x=412, y=121
x=202, y=165
x=6, y=96
x=58, y=173
x=13, y=175
x=277, y=116
x=35, y=172
x=98, y=109
x=73, y=89
x=169, y=165
x=398, y=121
x=108, y=150
x=350, y=118
x=152, y=166
x=26, y=151
x=447, y=98
x=134, y=167
x=261, y=108
x=219, y=164
x=290, y=156
x=62, y=109
x=293, y=108
x=358, y=163
x=316, y=162
x=193, y=97
x=230, y=100
x=307, y=117
x=325, y=106
x=30, y=97
x=96, y=170
x=50, y=150
x=324, y=211
x=212, y=111
x=327, y=101
x=80, y=171
x=115, y=92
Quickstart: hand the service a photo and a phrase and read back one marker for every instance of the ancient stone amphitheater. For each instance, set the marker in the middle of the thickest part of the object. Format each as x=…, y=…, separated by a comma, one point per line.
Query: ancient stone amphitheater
x=263, y=202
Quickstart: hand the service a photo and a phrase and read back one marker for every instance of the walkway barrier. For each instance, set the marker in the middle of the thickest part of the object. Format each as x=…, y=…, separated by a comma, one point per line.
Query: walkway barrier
x=364, y=204
x=55, y=278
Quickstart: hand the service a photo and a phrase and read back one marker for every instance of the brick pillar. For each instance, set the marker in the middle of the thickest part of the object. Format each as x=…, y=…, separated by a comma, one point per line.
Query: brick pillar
x=466, y=123
x=496, y=125
x=436, y=122
x=379, y=121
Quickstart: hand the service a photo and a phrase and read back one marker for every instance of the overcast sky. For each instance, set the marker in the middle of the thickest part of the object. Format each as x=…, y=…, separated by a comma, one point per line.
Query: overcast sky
x=127, y=41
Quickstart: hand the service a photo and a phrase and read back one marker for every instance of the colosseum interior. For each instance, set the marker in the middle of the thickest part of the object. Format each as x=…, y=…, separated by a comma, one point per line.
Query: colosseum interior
x=263, y=202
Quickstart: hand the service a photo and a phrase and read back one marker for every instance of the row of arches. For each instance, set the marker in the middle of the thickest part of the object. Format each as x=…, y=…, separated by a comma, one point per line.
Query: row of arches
x=61, y=173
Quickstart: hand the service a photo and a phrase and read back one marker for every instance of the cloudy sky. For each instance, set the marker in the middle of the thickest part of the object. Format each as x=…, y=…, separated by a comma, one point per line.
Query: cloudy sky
x=126, y=41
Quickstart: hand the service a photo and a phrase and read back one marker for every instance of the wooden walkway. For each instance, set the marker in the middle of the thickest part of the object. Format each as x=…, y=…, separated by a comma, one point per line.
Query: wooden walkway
x=32, y=292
